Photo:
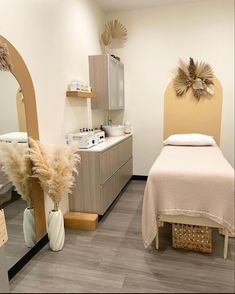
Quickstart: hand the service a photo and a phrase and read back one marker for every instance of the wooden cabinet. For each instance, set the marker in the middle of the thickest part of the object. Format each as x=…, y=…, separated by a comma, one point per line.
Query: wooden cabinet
x=102, y=176
x=107, y=80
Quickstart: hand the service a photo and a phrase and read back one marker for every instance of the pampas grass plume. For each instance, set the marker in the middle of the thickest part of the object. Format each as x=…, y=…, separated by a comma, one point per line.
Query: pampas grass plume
x=17, y=167
x=5, y=63
x=55, y=171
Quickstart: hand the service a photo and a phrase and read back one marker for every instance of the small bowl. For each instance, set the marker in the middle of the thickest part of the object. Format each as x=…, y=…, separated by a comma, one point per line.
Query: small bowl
x=114, y=130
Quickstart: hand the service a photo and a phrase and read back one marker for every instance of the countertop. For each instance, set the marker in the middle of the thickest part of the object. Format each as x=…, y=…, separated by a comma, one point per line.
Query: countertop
x=109, y=142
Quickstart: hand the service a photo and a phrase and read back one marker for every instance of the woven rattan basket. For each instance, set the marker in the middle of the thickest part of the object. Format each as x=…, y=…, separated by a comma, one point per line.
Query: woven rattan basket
x=196, y=238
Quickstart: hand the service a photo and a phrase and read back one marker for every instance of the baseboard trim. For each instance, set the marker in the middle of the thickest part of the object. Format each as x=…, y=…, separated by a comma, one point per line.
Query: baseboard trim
x=27, y=257
x=139, y=178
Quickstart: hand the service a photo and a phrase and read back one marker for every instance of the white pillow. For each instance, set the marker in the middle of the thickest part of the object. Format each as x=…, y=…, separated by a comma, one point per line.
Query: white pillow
x=190, y=140
x=21, y=137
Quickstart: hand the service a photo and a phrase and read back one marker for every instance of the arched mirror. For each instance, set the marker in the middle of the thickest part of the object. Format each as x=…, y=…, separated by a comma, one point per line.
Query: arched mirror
x=18, y=121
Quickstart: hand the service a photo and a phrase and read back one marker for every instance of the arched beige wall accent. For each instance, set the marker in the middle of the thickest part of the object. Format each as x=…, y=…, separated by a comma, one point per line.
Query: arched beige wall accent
x=187, y=115
x=22, y=75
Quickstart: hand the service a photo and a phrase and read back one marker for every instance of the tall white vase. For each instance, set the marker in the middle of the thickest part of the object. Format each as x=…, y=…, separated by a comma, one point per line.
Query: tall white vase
x=29, y=227
x=56, y=233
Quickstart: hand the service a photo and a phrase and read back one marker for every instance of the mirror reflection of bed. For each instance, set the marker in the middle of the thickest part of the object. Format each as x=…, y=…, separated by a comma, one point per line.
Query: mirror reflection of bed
x=12, y=129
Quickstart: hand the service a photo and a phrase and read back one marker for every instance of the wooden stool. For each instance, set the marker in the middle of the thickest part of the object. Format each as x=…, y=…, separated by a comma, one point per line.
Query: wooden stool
x=82, y=221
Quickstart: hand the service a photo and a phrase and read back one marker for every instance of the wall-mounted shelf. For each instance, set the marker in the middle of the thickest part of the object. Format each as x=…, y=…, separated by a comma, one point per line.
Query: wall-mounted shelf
x=80, y=94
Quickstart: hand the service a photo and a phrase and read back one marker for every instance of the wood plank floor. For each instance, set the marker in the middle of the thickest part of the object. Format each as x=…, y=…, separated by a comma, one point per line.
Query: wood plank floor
x=113, y=260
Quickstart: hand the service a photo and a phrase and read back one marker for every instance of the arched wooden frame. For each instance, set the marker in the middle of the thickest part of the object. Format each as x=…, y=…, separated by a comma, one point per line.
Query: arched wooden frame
x=187, y=115
x=21, y=111
x=22, y=75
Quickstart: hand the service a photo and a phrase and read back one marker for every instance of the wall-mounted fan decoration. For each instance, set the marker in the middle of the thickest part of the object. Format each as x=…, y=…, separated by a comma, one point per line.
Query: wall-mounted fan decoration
x=114, y=32
x=196, y=76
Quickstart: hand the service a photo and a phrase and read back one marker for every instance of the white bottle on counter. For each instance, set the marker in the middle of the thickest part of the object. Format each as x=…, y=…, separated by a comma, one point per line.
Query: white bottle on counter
x=128, y=127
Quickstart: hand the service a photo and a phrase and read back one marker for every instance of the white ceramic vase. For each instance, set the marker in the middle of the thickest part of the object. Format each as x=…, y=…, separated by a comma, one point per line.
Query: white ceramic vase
x=56, y=233
x=29, y=227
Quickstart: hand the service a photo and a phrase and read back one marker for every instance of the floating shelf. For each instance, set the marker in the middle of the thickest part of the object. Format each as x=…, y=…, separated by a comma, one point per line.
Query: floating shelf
x=80, y=94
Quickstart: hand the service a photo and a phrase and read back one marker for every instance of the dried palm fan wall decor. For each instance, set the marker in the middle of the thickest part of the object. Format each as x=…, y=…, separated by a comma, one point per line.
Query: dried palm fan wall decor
x=197, y=76
x=113, y=30
x=5, y=63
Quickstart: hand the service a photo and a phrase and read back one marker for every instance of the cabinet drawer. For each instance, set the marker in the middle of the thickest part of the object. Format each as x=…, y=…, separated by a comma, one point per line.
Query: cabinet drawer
x=108, y=193
x=112, y=159
x=125, y=173
x=109, y=163
x=113, y=186
x=125, y=151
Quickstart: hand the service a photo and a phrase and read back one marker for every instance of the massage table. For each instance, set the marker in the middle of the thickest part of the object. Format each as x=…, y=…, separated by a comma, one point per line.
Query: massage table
x=189, y=185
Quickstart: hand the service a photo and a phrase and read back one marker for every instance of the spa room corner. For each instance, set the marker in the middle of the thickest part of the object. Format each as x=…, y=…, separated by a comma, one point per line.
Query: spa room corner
x=117, y=146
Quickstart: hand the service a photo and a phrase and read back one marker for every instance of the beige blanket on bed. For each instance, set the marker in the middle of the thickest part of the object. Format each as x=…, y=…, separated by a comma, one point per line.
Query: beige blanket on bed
x=193, y=181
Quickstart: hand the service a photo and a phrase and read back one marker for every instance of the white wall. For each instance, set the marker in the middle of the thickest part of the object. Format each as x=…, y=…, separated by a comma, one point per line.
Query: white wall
x=8, y=109
x=157, y=37
x=55, y=38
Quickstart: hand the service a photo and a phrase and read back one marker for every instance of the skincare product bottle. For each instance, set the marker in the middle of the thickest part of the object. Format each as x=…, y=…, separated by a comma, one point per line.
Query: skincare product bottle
x=74, y=86
x=128, y=127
